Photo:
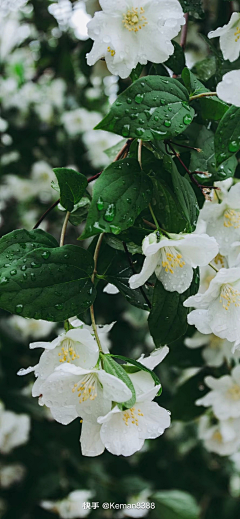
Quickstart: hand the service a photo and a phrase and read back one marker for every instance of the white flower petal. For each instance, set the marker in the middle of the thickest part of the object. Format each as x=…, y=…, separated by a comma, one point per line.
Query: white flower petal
x=155, y=358
x=178, y=280
x=91, y=443
x=114, y=388
x=64, y=415
x=110, y=289
x=148, y=268
x=227, y=88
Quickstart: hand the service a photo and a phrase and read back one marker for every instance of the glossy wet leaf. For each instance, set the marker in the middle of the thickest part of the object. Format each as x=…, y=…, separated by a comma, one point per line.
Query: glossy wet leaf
x=72, y=186
x=48, y=284
x=18, y=243
x=154, y=107
x=120, y=194
x=175, y=504
x=209, y=107
x=115, y=369
x=227, y=136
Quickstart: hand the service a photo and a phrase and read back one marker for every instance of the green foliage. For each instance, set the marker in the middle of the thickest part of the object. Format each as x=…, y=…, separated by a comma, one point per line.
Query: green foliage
x=205, y=159
x=227, y=137
x=18, y=243
x=189, y=392
x=51, y=284
x=72, y=186
x=115, y=369
x=120, y=194
x=153, y=107
x=176, y=62
x=168, y=317
x=210, y=107
x=140, y=367
x=175, y=504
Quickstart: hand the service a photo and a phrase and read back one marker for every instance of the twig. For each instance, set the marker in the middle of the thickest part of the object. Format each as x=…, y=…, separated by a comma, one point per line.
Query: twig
x=150, y=224
x=203, y=94
x=64, y=228
x=140, y=153
x=134, y=272
x=184, y=32
x=213, y=267
x=124, y=151
x=96, y=253
x=46, y=213
x=185, y=146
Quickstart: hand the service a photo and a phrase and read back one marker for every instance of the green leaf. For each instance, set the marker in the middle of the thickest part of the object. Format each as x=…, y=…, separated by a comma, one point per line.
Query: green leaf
x=80, y=211
x=210, y=107
x=120, y=194
x=186, y=197
x=205, y=159
x=175, y=504
x=189, y=392
x=176, y=62
x=119, y=273
x=48, y=284
x=154, y=107
x=118, y=371
x=141, y=367
x=72, y=186
x=167, y=209
x=192, y=6
x=168, y=317
x=227, y=136
x=18, y=243
x=136, y=72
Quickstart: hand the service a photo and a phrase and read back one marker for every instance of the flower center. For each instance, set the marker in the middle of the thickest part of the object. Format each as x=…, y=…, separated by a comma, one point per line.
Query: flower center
x=217, y=437
x=67, y=353
x=228, y=296
x=215, y=343
x=232, y=217
x=86, y=388
x=131, y=415
x=171, y=259
x=219, y=259
x=237, y=34
x=134, y=19
x=234, y=392
x=112, y=52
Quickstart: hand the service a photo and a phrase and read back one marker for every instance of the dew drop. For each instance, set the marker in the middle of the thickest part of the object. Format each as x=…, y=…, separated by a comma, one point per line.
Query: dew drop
x=59, y=306
x=110, y=213
x=187, y=119
x=115, y=229
x=45, y=255
x=233, y=146
x=19, y=309
x=35, y=265
x=100, y=204
x=139, y=98
x=13, y=272
x=167, y=123
x=139, y=132
x=129, y=100
x=126, y=130
x=4, y=281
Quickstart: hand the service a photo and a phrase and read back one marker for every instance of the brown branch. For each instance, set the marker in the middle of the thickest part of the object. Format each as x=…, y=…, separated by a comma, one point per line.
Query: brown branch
x=184, y=32
x=46, y=213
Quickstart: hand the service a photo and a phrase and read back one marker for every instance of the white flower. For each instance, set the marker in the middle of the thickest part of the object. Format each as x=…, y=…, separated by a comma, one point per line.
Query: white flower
x=96, y=143
x=218, y=309
x=30, y=327
x=79, y=120
x=14, y=430
x=76, y=346
x=227, y=89
x=223, y=220
x=134, y=501
x=11, y=474
x=3, y=125
x=72, y=507
x=225, y=395
x=102, y=329
x=124, y=432
x=124, y=32
x=174, y=258
x=229, y=37
x=215, y=350
x=111, y=289
x=207, y=273
x=222, y=438
x=87, y=391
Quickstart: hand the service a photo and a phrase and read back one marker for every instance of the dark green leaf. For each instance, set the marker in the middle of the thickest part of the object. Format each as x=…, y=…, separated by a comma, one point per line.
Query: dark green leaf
x=168, y=317
x=186, y=198
x=120, y=194
x=136, y=72
x=48, y=284
x=118, y=371
x=189, y=392
x=167, y=209
x=205, y=159
x=153, y=107
x=80, y=212
x=176, y=62
x=210, y=107
x=227, y=137
x=175, y=504
x=72, y=186
x=17, y=243
x=141, y=367
x=192, y=6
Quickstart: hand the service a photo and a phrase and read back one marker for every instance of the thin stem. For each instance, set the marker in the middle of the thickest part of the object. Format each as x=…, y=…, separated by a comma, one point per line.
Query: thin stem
x=150, y=224
x=140, y=153
x=64, y=228
x=213, y=267
x=153, y=216
x=94, y=326
x=134, y=272
x=124, y=151
x=204, y=94
x=46, y=213
x=184, y=32
x=187, y=147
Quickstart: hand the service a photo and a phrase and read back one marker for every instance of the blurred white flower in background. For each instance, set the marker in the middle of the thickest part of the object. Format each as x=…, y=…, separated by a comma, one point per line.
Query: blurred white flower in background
x=12, y=33
x=215, y=351
x=72, y=507
x=96, y=142
x=80, y=120
x=30, y=328
x=228, y=90
x=224, y=396
x=14, y=430
x=222, y=437
x=11, y=474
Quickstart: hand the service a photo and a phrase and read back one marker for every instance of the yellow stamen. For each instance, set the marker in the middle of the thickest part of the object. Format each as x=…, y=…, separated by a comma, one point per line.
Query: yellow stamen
x=171, y=259
x=232, y=218
x=67, y=353
x=131, y=415
x=234, y=392
x=229, y=296
x=134, y=19
x=237, y=34
x=111, y=51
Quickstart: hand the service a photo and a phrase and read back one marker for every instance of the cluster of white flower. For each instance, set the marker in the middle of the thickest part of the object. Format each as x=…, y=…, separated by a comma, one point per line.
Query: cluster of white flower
x=72, y=383
x=72, y=507
x=14, y=430
x=229, y=36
